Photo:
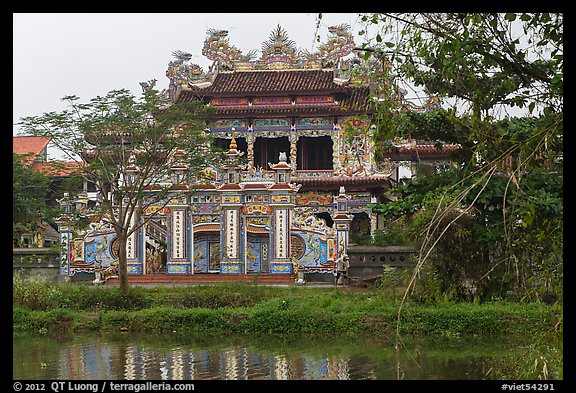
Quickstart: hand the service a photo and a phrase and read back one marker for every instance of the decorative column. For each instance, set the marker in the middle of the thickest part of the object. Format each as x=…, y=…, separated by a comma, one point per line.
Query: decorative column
x=293, y=137
x=134, y=242
x=230, y=234
x=250, y=142
x=178, y=227
x=282, y=202
x=135, y=248
x=342, y=222
x=179, y=259
x=373, y=223
x=335, y=137
x=66, y=231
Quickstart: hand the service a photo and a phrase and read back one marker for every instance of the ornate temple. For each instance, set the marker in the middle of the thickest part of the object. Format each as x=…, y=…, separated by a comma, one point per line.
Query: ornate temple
x=301, y=121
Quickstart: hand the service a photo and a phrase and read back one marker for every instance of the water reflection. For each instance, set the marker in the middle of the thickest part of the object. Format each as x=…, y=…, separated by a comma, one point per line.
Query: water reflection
x=153, y=358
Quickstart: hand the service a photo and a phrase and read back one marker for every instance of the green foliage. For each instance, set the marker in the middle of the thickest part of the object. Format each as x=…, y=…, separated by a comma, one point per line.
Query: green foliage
x=29, y=192
x=112, y=134
x=35, y=294
x=312, y=311
x=506, y=179
x=41, y=322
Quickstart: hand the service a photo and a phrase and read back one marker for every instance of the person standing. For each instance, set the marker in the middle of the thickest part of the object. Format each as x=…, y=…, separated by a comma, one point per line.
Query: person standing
x=342, y=265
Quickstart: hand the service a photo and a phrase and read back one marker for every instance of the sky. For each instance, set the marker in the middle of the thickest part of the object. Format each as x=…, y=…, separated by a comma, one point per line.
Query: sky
x=90, y=54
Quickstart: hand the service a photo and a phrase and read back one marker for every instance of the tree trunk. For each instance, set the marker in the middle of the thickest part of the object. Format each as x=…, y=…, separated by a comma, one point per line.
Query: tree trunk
x=122, y=262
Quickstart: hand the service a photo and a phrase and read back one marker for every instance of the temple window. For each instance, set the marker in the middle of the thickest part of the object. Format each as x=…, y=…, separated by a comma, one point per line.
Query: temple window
x=314, y=153
x=268, y=150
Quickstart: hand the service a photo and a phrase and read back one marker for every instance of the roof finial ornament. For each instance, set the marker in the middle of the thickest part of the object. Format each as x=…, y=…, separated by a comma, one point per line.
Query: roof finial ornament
x=233, y=144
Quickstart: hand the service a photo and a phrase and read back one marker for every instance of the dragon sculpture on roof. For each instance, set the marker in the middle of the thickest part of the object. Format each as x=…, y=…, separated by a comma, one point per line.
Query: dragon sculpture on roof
x=181, y=72
x=340, y=44
x=218, y=49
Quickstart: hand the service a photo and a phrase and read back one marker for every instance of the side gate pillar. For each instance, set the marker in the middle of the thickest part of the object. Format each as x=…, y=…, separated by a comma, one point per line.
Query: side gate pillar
x=179, y=258
x=66, y=231
x=342, y=222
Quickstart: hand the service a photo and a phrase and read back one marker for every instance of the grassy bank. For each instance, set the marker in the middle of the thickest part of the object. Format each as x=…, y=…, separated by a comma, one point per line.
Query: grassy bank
x=244, y=309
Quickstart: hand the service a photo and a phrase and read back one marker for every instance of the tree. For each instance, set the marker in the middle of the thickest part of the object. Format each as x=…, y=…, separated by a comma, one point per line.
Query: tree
x=138, y=152
x=501, y=78
x=29, y=190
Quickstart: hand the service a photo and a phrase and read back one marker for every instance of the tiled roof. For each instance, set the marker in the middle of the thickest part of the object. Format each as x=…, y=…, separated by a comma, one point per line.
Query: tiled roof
x=209, y=227
x=57, y=168
x=240, y=83
x=343, y=180
x=29, y=144
x=351, y=99
x=423, y=151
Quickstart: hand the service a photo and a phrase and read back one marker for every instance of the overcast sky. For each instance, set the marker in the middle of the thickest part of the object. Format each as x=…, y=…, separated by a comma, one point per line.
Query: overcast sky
x=90, y=54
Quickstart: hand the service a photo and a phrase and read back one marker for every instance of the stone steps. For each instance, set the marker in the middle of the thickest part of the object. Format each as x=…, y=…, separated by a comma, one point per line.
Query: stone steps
x=191, y=279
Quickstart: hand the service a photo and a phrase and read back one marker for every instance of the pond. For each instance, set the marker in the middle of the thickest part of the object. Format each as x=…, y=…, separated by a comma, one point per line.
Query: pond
x=156, y=357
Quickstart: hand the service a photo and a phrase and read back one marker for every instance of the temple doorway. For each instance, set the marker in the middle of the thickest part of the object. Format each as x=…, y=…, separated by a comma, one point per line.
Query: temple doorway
x=156, y=246
x=206, y=253
x=257, y=255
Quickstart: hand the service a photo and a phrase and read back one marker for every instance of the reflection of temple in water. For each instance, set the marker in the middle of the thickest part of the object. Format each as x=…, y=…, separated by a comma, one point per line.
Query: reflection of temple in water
x=99, y=361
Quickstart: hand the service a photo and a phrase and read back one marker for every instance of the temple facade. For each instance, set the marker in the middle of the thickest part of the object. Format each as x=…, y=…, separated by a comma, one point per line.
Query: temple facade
x=302, y=122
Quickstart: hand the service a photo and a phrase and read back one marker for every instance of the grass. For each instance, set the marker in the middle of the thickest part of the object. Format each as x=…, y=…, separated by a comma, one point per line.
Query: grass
x=41, y=308
x=246, y=309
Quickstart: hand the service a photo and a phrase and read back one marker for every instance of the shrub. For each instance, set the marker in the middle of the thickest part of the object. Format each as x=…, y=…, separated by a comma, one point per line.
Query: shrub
x=35, y=294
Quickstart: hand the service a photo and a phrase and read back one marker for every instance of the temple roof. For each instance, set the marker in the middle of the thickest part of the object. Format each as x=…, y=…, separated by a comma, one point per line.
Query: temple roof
x=286, y=83
x=422, y=151
x=241, y=83
x=372, y=180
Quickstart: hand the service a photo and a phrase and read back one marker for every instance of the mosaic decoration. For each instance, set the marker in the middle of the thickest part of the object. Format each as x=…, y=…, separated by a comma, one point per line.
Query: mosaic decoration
x=272, y=101
x=256, y=209
x=201, y=256
x=256, y=253
x=180, y=72
x=229, y=101
x=98, y=250
x=177, y=268
x=229, y=123
x=272, y=123
x=64, y=252
x=214, y=256
x=340, y=44
x=278, y=52
x=218, y=49
x=279, y=48
x=314, y=198
x=315, y=100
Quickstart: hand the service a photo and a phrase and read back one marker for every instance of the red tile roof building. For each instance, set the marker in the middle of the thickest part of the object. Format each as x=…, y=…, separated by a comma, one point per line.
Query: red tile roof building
x=35, y=149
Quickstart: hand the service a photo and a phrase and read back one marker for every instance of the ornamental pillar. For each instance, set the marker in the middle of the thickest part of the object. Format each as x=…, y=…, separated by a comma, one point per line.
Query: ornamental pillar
x=282, y=202
x=66, y=231
x=335, y=137
x=250, y=142
x=178, y=261
x=135, y=247
x=342, y=222
x=230, y=235
x=293, y=146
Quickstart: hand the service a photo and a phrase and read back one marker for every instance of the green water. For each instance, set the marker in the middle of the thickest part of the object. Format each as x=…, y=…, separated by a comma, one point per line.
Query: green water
x=147, y=357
